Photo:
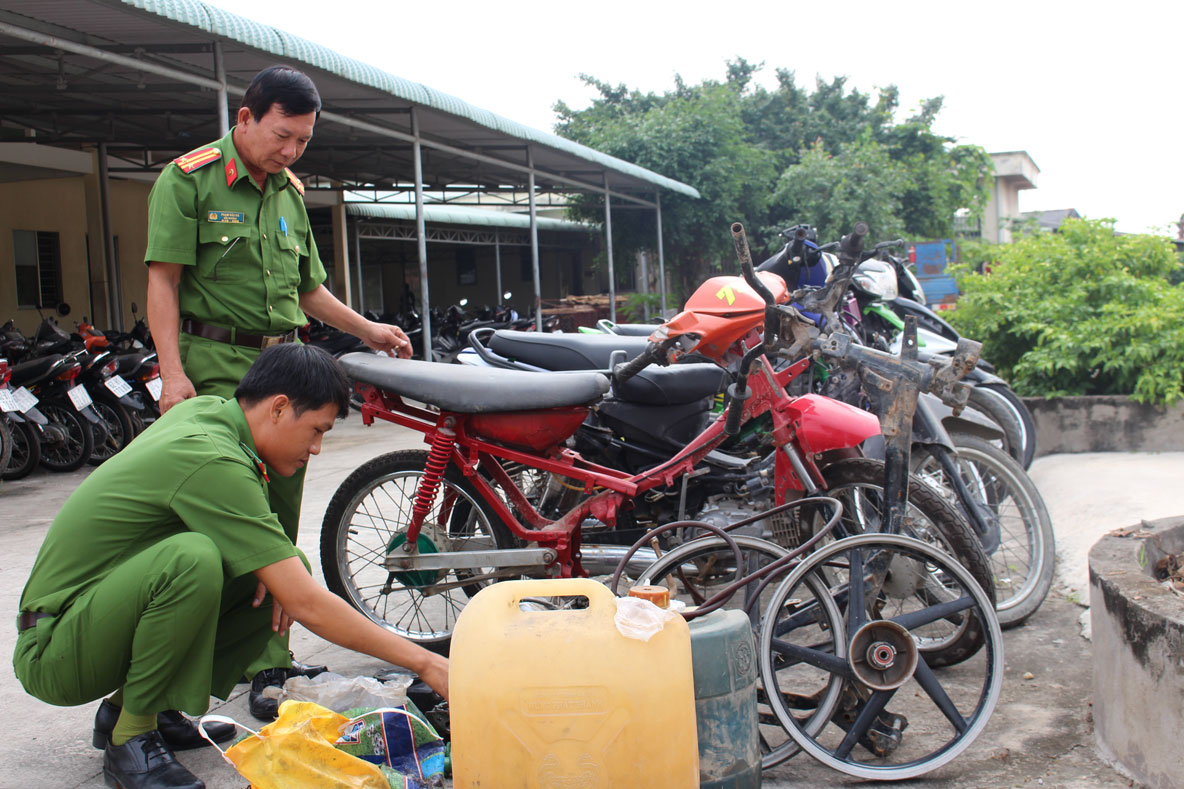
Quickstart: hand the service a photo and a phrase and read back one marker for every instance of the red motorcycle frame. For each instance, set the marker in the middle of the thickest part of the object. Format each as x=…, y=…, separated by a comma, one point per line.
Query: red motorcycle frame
x=722, y=315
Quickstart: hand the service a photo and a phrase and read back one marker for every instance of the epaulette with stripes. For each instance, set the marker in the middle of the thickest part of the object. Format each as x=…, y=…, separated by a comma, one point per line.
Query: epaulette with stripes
x=199, y=158
x=294, y=181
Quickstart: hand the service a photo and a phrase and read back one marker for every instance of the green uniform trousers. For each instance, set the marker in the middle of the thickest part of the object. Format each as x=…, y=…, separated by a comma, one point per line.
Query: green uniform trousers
x=215, y=368
x=164, y=625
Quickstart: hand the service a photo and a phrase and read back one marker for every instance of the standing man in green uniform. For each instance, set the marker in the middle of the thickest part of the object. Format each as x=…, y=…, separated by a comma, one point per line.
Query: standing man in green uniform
x=166, y=571
x=233, y=268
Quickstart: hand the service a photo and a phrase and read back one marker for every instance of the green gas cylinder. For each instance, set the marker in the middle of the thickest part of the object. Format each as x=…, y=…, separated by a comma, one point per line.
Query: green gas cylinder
x=725, y=669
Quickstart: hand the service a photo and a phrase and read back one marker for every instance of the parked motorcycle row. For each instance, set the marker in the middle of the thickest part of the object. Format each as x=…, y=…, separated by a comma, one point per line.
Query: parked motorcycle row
x=795, y=439
x=70, y=398
x=451, y=327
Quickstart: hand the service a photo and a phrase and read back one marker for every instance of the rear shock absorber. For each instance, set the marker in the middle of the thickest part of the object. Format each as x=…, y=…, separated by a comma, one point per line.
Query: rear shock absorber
x=433, y=474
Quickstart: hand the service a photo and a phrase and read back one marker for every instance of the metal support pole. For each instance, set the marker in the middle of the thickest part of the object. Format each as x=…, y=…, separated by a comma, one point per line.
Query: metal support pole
x=608, y=241
x=534, y=248
x=645, y=284
x=358, y=257
x=422, y=237
x=341, y=277
x=497, y=257
x=220, y=76
x=114, y=287
x=661, y=257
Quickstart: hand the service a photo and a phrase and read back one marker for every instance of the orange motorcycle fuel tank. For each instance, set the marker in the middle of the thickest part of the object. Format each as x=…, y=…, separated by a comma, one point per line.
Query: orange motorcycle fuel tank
x=723, y=310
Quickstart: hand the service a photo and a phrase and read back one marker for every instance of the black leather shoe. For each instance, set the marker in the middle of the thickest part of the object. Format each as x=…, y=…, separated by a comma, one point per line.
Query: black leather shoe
x=145, y=762
x=262, y=707
x=177, y=731
x=306, y=669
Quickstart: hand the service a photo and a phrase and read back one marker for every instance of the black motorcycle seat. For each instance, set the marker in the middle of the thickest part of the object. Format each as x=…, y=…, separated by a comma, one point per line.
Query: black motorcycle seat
x=634, y=329
x=474, y=390
x=564, y=351
x=34, y=369
x=129, y=363
x=676, y=385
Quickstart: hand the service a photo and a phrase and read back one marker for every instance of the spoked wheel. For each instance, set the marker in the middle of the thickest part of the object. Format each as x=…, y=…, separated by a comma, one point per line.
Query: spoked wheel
x=67, y=441
x=367, y=518
x=696, y=570
x=859, y=485
x=1022, y=416
x=5, y=444
x=894, y=717
x=1024, y=562
x=995, y=407
x=116, y=429
x=26, y=451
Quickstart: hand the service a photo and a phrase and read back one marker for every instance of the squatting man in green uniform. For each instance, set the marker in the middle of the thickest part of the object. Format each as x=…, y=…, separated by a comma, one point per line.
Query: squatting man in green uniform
x=166, y=571
x=233, y=268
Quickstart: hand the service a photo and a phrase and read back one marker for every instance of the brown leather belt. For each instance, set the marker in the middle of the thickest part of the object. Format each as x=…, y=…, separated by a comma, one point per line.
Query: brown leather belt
x=28, y=619
x=233, y=336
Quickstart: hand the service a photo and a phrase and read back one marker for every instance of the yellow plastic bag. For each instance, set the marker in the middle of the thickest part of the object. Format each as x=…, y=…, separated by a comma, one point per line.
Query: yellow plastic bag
x=296, y=751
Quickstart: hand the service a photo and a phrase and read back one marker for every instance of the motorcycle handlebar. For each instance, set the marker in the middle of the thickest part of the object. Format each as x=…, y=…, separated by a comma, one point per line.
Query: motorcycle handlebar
x=740, y=241
x=623, y=372
x=851, y=245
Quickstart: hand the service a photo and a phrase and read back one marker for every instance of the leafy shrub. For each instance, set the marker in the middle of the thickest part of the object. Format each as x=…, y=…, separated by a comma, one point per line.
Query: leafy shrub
x=1079, y=312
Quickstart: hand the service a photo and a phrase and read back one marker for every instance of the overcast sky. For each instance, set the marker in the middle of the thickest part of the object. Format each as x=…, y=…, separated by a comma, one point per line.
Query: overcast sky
x=1093, y=96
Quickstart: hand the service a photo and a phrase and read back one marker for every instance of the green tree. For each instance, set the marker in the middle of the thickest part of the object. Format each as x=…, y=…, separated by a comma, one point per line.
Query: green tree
x=694, y=134
x=1078, y=312
x=861, y=182
x=776, y=157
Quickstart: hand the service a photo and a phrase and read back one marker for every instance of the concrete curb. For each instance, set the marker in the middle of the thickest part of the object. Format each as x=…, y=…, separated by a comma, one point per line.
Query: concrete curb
x=1138, y=637
x=1104, y=423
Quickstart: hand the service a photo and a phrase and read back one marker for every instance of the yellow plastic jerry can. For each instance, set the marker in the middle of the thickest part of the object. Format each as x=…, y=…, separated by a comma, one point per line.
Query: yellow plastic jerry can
x=559, y=698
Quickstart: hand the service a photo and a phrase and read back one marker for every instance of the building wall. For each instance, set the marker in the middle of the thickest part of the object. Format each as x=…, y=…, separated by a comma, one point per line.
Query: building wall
x=69, y=207
x=57, y=205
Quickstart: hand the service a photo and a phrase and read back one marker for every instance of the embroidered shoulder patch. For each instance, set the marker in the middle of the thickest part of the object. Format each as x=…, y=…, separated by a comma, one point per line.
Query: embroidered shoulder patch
x=199, y=158
x=295, y=181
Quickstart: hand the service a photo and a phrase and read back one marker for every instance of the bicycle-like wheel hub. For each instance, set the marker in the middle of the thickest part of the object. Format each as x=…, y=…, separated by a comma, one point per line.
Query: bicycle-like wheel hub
x=883, y=655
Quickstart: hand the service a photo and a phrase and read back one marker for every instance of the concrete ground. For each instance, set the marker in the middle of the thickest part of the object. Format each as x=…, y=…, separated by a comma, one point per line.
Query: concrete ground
x=1040, y=733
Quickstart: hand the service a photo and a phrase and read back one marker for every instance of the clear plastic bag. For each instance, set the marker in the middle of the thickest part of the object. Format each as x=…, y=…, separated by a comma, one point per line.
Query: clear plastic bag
x=339, y=693
x=641, y=619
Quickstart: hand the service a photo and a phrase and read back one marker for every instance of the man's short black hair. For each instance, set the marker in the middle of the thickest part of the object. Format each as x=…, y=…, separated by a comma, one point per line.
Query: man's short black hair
x=290, y=90
x=309, y=377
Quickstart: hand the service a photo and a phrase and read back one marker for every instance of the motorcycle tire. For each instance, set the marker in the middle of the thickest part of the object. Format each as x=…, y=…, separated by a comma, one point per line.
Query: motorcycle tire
x=859, y=484
x=993, y=406
x=365, y=521
x=5, y=445
x=1024, y=563
x=69, y=446
x=117, y=428
x=26, y=451
x=1023, y=416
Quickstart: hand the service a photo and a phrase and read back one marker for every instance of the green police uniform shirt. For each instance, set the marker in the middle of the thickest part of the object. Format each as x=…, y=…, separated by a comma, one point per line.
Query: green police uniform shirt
x=194, y=470
x=249, y=252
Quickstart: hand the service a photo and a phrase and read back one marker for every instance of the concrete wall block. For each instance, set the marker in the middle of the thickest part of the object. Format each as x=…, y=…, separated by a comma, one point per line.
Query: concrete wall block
x=1105, y=423
x=1138, y=659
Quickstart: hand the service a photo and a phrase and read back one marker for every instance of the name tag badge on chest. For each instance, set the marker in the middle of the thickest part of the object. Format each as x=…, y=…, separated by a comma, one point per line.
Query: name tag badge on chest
x=226, y=217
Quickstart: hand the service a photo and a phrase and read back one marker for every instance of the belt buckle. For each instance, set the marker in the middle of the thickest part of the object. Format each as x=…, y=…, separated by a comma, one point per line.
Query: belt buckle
x=270, y=341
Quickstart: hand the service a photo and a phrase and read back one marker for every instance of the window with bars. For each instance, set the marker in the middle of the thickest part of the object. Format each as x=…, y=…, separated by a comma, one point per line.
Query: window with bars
x=38, y=259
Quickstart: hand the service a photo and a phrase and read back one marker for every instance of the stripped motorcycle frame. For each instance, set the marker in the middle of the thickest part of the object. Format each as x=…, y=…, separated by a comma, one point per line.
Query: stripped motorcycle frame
x=479, y=444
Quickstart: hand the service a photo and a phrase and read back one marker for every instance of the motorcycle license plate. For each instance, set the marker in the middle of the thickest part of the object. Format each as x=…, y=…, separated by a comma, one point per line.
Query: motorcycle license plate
x=24, y=400
x=7, y=401
x=117, y=386
x=155, y=385
x=79, y=397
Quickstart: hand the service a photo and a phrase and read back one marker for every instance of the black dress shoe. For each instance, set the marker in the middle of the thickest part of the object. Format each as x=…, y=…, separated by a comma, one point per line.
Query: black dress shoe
x=264, y=708
x=306, y=669
x=145, y=762
x=178, y=732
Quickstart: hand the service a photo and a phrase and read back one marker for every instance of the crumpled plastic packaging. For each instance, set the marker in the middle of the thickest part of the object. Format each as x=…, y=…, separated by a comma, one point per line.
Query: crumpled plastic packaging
x=641, y=619
x=339, y=693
